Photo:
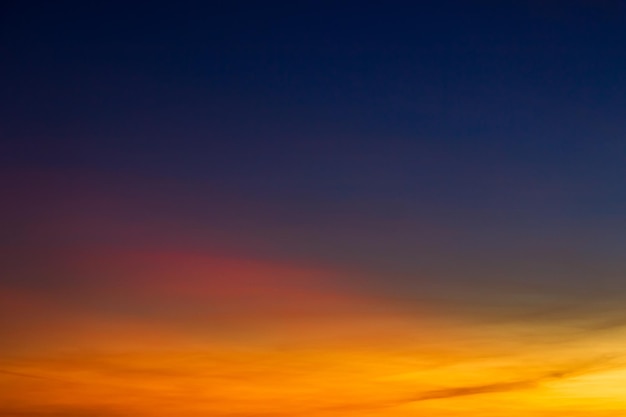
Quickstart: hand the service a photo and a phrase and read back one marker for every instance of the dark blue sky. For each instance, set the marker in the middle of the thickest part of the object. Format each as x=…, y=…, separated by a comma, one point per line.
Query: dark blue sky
x=350, y=122
x=197, y=90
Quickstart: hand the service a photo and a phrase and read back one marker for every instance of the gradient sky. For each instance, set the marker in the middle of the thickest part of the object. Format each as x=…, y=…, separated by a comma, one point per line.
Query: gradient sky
x=313, y=209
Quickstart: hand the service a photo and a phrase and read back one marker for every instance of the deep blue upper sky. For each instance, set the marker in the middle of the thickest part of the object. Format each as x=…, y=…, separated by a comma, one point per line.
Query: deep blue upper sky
x=450, y=103
x=454, y=139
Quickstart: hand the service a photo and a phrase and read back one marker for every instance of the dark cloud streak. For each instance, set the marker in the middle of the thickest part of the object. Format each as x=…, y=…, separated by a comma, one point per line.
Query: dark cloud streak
x=25, y=375
x=598, y=364
x=508, y=386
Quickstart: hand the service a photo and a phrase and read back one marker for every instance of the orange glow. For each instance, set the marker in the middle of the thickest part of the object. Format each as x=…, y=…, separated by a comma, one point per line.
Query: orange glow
x=196, y=335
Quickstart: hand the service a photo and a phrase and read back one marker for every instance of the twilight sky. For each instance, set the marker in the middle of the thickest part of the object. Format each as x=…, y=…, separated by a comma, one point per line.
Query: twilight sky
x=313, y=209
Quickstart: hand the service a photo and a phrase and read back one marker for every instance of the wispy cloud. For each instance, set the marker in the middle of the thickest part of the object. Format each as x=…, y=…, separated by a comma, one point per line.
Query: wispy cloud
x=57, y=412
x=597, y=364
x=27, y=375
x=591, y=366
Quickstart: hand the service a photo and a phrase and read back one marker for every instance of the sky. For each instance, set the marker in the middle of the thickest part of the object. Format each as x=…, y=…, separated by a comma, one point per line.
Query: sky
x=313, y=209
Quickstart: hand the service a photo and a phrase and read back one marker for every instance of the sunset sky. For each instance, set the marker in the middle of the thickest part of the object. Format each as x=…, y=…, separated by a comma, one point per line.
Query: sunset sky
x=313, y=209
